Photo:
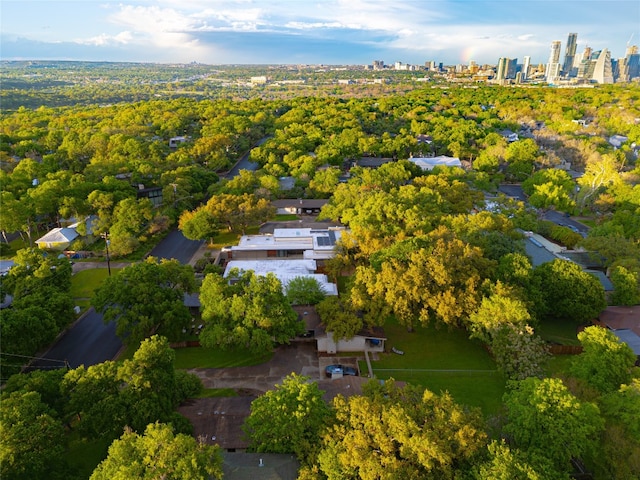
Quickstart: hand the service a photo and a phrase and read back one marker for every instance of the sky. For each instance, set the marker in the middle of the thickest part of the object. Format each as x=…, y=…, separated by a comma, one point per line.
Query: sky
x=332, y=32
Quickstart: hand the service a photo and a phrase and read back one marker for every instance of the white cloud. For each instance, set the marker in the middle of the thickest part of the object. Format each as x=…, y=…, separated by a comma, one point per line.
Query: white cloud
x=121, y=38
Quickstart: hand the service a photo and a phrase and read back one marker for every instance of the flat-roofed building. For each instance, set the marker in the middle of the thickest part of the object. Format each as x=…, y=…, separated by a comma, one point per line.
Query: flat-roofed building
x=302, y=243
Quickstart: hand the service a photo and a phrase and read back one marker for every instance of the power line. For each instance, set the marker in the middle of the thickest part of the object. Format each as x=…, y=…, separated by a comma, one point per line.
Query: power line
x=34, y=358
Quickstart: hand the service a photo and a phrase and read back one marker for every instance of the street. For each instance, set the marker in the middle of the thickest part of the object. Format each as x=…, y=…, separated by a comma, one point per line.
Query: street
x=89, y=341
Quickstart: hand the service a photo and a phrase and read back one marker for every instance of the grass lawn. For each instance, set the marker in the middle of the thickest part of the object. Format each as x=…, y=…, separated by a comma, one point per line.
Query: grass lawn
x=443, y=360
x=84, y=283
x=285, y=217
x=200, y=357
x=83, y=456
x=557, y=331
x=558, y=365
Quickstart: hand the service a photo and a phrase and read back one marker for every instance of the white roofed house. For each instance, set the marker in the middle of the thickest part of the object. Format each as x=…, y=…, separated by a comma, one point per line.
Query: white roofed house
x=296, y=243
x=57, y=239
x=284, y=270
x=62, y=237
x=429, y=163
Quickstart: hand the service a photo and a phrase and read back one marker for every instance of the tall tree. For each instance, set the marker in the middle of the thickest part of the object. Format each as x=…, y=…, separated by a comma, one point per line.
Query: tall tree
x=304, y=291
x=159, y=453
x=545, y=419
x=568, y=292
x=393, y=432
x=252, y=313
x=32, y=439
x=146, y=298
x=288, y=419
x=606, y=362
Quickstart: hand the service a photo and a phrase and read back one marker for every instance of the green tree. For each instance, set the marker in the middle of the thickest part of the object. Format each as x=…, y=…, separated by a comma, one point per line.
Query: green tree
x=546, y=420
x=159, y=453
x=146, y=298
x=606, y=362
x=511, y=464
x=252, y=313
x=198, y=224
x=32, y=439
x=432, y=278
x=393, y=432
x=288, y=419
x=550, y=188
x=108, y=396
x=518, y=351
x=131, y=218
x=568, y=292
x=626, y=284
x=304, y=291
x=338, y=317
x=237, y=212
x=494, y=312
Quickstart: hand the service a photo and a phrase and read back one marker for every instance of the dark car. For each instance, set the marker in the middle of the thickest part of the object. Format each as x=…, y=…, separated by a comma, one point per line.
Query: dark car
x=340, y=369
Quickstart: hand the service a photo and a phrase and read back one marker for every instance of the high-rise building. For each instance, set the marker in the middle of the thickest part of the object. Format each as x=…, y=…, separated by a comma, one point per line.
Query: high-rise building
x=507, y=68
x=501, y=73
x=633, y=62
x=552, y=72
x=570, y=54
x=601, y=69
x=525, y=67
x=585, y=61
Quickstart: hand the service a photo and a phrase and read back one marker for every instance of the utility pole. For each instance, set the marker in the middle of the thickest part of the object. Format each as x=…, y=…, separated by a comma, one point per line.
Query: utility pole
x=105, y=235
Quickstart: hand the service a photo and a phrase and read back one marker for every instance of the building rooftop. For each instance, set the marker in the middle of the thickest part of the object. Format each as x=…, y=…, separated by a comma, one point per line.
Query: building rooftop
x=284, y=270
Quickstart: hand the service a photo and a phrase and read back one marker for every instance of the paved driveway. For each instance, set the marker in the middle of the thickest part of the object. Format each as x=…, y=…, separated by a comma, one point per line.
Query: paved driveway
x=299, y=357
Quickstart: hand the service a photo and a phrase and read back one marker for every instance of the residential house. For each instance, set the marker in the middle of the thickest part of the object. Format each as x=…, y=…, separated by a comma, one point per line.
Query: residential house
x=299, y=206
x=284, y=270
x=624, y=322
x=57, y=239
x=371, y=340
x=429, y=163
x=302, y=243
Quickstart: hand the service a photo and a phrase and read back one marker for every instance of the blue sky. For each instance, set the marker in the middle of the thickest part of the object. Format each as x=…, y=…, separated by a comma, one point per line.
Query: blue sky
x=310, y=31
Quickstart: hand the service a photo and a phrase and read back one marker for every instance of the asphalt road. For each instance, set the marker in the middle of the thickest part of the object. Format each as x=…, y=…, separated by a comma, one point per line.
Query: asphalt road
x=176, y=245
x=556, y=217
x=87, y=343
x=244, y=163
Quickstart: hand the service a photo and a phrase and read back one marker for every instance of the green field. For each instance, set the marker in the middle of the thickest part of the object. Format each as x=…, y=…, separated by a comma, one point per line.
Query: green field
x=442, y=360
x=84, y=283
x=200, y=357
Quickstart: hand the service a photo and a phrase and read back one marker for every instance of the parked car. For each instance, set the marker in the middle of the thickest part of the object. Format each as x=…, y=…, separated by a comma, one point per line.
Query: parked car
x=340, y=369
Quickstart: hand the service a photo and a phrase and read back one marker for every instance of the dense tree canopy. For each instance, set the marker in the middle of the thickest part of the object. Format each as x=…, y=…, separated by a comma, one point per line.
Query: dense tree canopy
x=159, y=453
x=249, y=312
x=288, y=419
x=606, y=362
x=546, y=420
x=147, y=297
x=31, y=438
x=393, y=432
x=568, y=292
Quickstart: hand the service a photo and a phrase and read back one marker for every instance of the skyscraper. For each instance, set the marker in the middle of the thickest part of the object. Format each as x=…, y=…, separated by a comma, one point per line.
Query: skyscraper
x=507, y=68
x=601, y=68
x=585, y=61
x=552, y=72
x=503, y=64
x=632, y=62
x=525, y=67
x=569, y=55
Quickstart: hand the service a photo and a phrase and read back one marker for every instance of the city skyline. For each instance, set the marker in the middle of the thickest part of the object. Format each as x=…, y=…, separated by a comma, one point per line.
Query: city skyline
x=329, y=32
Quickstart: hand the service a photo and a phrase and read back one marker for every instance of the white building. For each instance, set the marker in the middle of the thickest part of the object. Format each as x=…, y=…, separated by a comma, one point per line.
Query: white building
x=301, y=243
x=284, y=270
x=429, y=163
